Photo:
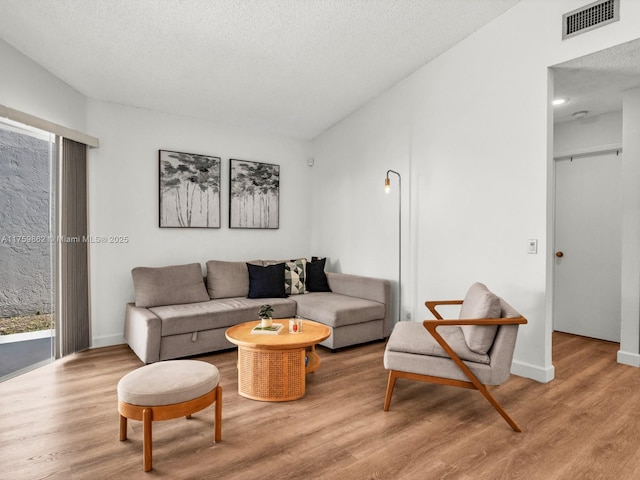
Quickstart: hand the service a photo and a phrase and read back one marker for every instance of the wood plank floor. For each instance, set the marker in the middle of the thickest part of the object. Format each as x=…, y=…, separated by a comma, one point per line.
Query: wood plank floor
x=61, y=422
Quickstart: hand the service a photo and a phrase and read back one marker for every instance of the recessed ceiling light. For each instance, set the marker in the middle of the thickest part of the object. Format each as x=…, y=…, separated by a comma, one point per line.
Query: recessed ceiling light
x=559, y=101
x=581, y=114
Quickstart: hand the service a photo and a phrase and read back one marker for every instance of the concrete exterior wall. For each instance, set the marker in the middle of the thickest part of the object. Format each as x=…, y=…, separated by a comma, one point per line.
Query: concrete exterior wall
x=25, y=240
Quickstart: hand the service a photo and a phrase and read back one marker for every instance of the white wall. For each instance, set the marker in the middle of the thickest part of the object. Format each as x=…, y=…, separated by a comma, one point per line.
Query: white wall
x=471, y=132
x=585, y=133
x=355, y=223
x=123, y=186
x=28, y=87
x=630, y=326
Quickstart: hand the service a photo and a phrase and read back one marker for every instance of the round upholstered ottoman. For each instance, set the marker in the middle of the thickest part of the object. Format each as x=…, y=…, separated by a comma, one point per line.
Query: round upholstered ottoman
x=166, y=390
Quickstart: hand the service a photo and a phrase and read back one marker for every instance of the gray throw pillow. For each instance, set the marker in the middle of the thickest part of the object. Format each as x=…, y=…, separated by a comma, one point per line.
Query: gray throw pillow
x=479, y=302
x=171, y=285
x=228, y=279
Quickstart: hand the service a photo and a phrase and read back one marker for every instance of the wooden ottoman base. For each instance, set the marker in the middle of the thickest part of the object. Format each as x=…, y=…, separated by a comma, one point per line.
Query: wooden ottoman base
x=150, y=413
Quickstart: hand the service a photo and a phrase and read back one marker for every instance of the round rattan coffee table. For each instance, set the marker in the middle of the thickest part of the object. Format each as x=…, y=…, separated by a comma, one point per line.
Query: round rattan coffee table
x=272, y=368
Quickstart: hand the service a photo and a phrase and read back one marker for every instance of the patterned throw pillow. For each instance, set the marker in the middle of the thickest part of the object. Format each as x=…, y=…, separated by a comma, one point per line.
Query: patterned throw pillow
x=294, y=276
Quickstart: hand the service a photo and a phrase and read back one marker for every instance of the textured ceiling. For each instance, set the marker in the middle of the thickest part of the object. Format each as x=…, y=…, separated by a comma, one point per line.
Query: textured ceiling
x=595, y=83
x=293, y=67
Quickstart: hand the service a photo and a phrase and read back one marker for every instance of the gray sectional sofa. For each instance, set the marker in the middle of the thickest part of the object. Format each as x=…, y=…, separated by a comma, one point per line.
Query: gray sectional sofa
x=178, y=313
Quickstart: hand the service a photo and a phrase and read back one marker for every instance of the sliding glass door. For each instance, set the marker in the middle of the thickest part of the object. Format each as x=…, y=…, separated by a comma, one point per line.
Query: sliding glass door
x=27, y=249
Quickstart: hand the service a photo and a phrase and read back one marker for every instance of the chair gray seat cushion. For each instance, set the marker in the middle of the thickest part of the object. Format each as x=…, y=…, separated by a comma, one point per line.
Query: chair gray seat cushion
x=169, y=382
x=412, y=337
x=411, y=348
x=336, y=310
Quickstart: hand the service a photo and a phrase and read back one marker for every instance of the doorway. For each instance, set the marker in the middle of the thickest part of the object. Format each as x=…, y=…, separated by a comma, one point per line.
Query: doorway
x=592, y=87
x=588, y=243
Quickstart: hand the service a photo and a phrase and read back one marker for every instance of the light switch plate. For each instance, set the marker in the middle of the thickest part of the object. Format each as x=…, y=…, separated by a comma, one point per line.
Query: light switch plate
x=532, y=246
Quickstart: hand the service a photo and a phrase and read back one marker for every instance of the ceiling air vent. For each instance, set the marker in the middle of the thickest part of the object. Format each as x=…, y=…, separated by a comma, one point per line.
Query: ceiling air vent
x=594, y=15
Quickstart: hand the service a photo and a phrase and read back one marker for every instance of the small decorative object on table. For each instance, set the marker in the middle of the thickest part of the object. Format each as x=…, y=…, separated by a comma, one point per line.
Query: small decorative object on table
x=295, y=325
x=272, y=329
x=265, y=313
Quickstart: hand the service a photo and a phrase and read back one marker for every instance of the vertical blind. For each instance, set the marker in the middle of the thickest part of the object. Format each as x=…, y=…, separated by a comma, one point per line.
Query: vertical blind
x=75, y=322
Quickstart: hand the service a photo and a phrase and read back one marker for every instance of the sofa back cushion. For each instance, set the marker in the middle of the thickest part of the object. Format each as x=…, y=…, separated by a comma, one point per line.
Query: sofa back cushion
x=228, y=279
x=172, y=285
x=479, y=302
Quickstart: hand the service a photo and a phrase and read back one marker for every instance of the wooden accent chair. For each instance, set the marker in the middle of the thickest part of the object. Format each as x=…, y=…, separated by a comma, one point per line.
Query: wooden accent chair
x=473, y=352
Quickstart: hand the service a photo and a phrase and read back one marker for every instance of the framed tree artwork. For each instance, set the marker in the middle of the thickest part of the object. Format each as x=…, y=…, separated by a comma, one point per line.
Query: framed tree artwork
x=254, y=194
x=189, y=190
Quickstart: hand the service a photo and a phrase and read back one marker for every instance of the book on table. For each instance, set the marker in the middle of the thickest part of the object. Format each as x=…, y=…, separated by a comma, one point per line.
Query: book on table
x=274, y=329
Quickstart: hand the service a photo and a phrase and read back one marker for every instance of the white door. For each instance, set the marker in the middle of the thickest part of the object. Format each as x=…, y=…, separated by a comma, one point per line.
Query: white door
x=588, y=246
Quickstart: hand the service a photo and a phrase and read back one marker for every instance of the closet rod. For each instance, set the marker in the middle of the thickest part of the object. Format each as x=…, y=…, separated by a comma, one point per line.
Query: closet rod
x=589, y=152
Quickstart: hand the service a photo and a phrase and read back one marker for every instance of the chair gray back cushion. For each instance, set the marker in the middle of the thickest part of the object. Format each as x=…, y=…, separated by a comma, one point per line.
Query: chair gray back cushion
x=173, y=285
x=228, y=279
x=503, y=346
x=479, y=302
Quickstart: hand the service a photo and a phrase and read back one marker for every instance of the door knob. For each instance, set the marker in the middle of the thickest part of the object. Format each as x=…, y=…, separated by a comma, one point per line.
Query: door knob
x=559, y=254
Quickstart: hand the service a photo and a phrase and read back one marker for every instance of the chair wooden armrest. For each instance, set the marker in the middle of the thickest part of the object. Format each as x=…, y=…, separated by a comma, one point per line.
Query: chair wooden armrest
x=431, y=305
x=474, y=321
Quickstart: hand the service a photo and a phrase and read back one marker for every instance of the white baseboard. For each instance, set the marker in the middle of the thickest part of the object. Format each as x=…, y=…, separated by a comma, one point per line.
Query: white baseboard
x=107, y=341
x=628, y=358
x=534, y=372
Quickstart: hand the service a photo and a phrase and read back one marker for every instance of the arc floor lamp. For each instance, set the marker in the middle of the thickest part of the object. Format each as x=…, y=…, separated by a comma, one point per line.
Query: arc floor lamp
x=387, y=189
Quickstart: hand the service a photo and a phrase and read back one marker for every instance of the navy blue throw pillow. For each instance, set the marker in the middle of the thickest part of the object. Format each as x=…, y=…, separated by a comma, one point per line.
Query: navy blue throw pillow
x=266, y=282
x=316, y=278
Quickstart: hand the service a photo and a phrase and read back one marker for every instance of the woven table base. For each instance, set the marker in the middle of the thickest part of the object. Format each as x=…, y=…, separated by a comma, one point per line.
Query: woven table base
x=271, y=375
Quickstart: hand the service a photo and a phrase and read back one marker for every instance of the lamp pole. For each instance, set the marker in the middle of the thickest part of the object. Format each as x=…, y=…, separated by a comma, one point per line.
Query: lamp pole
x=387, y=188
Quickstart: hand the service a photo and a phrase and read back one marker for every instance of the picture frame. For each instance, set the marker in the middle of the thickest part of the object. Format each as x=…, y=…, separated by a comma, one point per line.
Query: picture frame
x=189, y=190
x=254, y=195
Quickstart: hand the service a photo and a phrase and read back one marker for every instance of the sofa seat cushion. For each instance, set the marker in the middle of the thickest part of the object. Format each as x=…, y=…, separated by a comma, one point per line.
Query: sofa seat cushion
x=336, y=310
x=412, y=337
x=221, y=313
